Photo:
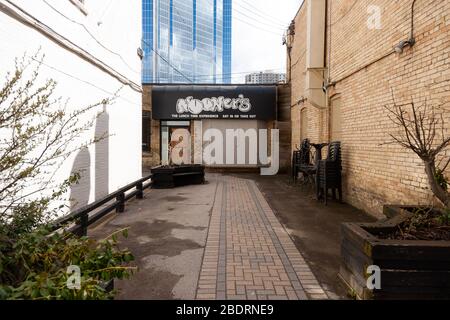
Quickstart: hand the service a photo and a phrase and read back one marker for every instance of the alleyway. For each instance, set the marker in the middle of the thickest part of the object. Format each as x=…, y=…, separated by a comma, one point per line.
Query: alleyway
x=248, y=254
x=220, y=240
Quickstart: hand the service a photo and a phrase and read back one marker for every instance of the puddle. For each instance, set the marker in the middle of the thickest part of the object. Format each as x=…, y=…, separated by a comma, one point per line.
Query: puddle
x=167, y=247
x=148, y=284
x=174, y=198
x=146, y=239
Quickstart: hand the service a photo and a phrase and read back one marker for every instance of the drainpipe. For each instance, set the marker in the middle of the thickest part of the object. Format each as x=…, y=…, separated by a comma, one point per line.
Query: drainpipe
x=326, y=85
x=412, y=39
x=289, y=49
x=328, y=27
x=328, y=31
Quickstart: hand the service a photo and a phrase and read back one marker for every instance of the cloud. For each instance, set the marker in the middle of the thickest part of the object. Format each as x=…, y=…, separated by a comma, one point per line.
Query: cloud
x=258, y=27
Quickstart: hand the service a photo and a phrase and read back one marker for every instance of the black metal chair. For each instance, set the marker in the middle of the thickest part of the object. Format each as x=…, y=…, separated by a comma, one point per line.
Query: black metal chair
x=329, y=173
x=301, y=161
x=295, y=162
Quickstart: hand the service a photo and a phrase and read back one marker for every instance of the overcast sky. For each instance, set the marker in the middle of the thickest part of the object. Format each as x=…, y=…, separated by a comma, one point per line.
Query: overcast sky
x=258, y=26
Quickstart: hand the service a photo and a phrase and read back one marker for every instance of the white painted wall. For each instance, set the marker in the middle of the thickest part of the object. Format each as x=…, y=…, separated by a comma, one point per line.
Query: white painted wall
x=117, y=161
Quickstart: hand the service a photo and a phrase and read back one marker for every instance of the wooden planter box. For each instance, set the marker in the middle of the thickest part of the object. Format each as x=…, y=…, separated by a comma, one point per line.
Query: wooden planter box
x=409, y=269
x=166, y=177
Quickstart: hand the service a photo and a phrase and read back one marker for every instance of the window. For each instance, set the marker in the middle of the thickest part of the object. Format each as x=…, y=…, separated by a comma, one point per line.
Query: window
x=146, y=130
x=303, y=124
x=80, y=4
x=336, y=119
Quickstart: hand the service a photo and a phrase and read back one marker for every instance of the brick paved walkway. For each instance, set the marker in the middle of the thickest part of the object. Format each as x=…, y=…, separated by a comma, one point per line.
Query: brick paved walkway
x=248, y=253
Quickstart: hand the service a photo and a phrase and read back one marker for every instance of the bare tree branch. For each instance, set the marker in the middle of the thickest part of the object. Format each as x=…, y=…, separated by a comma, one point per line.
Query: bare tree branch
x=417, y=131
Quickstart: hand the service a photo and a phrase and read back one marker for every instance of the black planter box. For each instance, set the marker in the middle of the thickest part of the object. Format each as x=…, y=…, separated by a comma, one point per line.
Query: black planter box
x=409, y=269
x=166, y=177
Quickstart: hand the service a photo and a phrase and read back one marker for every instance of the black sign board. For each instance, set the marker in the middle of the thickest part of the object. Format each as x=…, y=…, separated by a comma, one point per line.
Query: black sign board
x=191, y=102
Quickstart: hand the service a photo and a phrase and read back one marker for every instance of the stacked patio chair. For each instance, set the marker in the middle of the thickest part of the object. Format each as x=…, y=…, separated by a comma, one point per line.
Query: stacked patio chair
x=295, y=162
x=329, y=173
x=301, y=161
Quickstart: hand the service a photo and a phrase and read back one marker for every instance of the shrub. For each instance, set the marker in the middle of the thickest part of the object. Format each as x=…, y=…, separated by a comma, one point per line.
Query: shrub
x=37, y=135
x=35, y=266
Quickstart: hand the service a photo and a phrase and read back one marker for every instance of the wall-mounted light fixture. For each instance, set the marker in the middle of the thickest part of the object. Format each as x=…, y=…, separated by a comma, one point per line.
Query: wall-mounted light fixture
x=140, y=53
x=300, y=101
x=326, y=85
x=412, y=40
x=403, y=44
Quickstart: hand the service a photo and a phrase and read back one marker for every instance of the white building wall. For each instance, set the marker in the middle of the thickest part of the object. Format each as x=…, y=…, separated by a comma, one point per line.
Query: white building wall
x=116, y=25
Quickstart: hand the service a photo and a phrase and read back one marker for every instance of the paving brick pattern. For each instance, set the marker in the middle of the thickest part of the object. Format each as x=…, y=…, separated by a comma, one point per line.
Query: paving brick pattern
x=248, y=254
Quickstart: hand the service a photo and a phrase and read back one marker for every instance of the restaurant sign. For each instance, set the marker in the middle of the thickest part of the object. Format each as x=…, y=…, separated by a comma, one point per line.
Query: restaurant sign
x=214, y=102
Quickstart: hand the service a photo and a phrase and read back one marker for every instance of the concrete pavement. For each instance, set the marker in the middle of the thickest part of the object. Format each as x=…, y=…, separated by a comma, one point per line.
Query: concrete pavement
x=222, y=240
x=167, y=235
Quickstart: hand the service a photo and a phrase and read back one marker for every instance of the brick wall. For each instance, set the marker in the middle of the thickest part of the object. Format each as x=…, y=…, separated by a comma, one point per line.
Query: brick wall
x=366, y=72
x=284, y=125
x=152, y=158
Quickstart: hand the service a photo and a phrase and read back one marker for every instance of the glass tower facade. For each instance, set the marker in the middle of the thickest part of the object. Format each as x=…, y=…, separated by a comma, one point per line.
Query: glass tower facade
x=186, y=41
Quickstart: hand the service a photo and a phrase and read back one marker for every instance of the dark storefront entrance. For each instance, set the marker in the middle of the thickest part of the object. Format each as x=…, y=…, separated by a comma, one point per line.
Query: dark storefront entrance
x=186, y=113
x=183, y=116
x=170, y=143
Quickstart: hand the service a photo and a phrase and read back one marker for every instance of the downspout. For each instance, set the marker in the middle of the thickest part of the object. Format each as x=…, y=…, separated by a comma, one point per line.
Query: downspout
x=328, y=31
x=412, y=39
x=326, y=87
x=289, y=48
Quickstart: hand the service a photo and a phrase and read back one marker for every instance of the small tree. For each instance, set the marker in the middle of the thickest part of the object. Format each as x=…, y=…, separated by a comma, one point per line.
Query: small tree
x=37, y=134
x=423, y=130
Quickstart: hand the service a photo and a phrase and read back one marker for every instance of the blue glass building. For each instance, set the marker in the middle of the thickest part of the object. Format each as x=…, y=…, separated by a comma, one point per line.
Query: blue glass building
x=186, y=41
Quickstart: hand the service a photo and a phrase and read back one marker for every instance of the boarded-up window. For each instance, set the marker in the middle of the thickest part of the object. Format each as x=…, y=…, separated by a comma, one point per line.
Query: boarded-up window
x=303, y=124
x=336, y=119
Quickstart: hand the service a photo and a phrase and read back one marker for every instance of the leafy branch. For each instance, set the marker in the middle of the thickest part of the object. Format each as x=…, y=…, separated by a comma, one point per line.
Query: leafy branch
x=38, y=133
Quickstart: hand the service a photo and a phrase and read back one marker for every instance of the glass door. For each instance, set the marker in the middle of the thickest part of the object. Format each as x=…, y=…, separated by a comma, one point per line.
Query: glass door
x=164, y=146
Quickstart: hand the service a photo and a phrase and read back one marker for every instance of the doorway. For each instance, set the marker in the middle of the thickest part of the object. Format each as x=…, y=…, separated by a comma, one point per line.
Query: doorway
x=175, y=139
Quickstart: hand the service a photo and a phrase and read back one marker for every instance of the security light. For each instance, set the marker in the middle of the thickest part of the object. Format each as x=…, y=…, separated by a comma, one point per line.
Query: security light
x=140, y=53
x=403, y=44
x=399, y=48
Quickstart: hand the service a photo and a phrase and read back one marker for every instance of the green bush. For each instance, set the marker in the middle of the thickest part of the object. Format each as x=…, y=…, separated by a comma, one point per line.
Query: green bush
x=34, y=266
x=36, y=133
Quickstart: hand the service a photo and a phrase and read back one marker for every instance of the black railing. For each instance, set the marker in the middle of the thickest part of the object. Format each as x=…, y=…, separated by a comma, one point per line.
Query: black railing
x=79, y=220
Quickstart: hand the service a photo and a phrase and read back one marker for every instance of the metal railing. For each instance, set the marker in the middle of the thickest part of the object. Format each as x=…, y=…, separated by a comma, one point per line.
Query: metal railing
x=79, y=220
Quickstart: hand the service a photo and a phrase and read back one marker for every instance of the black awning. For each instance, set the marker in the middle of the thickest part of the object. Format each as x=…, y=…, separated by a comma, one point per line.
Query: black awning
x=192, y=102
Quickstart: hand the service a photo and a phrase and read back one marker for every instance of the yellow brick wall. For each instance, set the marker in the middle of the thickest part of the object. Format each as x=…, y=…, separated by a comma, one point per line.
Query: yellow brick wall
x=296, y=63
x=152, y=158
x=376, y=173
